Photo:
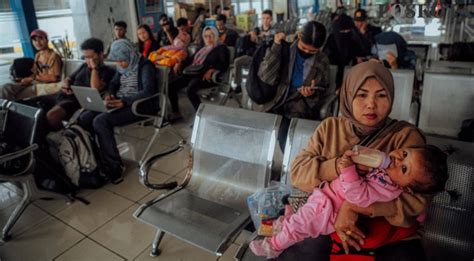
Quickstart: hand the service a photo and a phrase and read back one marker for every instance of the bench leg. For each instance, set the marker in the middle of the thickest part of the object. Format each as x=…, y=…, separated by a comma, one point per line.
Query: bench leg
x=156, y=243
x=26, y=200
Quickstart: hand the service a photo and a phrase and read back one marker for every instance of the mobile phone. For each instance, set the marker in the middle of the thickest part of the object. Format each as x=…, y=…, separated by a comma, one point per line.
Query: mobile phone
x=317, y=88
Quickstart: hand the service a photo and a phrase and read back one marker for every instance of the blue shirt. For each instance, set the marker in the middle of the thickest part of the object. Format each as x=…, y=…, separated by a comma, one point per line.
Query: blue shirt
x=297, y=75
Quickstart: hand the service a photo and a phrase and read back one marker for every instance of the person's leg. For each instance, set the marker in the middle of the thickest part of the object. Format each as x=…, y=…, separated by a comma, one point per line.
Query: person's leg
x=26, y=92
x=10, y=90
x=409, y=250
x=239, y=63
x=194, y=86
x=173, y=89
x=283, y=132
x=55, y=116
x=85, y=120
x=309, y=249
x=104, y=125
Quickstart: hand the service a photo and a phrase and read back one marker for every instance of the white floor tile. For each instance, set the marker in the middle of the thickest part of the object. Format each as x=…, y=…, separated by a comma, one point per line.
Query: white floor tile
x=88, y=250
x=7, y=197
x=44, y=241
x=30, y=217
x=104, y=205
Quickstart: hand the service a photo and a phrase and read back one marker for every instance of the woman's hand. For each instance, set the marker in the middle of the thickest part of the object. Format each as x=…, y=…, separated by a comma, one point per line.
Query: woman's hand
x=26, y=81
x=208, y=75
x=346, y=228
x=110, y=101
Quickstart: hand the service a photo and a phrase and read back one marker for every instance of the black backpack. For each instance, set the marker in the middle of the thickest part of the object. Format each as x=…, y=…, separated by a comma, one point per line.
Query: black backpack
x=21, y=68
x=257, y=90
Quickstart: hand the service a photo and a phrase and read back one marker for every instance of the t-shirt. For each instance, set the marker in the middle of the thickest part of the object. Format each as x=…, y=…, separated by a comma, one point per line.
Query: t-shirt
x=128, y=84
x=47, y=62
x=298, y=69
x=163, y=38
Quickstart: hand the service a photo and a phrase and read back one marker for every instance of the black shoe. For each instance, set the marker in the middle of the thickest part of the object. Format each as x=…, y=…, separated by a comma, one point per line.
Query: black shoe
x=238, y=89
x=117, y=177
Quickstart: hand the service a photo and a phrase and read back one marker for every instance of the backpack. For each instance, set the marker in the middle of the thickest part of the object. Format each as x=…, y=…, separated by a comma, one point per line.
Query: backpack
x=257, y=90
x=21, y=68
x=75, y=148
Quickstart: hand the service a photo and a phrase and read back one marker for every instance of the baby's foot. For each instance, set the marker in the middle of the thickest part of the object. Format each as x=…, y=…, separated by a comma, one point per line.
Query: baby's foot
x=264, y=248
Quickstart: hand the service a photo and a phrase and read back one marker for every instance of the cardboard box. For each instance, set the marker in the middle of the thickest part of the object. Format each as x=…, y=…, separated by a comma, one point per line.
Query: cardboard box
x=246, y=22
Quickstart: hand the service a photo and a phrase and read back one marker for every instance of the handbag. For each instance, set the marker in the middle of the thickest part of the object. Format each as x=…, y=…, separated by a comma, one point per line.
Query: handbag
x=195, y=69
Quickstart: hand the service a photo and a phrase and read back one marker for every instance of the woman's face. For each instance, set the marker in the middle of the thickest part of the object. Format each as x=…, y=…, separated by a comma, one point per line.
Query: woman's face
x=371, y=104
x=143, y=34
x=122, y=64
x=209, y=37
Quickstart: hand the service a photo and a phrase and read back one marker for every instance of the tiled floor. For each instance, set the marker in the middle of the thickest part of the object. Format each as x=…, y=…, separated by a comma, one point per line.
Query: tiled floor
x=105, y=229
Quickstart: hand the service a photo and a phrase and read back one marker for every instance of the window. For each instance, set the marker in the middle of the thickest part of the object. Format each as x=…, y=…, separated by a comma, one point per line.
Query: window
x=258, y=5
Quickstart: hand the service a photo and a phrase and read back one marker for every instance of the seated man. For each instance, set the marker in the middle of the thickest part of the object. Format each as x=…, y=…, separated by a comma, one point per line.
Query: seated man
x=226, y=36
x=135, y=79
x=46, y=69
x=93, y=73
x=120, y=31
x=366, y=31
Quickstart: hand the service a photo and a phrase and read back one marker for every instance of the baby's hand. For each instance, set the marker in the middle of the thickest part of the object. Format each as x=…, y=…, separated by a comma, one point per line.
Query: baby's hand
x=345, y=160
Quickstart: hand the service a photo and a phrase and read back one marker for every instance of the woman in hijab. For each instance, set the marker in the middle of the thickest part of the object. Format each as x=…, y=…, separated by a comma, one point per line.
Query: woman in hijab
x=366, y=101
x=135, y=79
x=211, y=58
x=344, y=45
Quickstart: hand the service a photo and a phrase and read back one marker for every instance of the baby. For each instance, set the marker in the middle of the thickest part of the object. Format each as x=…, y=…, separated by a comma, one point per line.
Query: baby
x=415, y=170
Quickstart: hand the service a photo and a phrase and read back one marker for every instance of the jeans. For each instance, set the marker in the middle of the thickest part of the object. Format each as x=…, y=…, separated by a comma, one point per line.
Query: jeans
x=102, y=125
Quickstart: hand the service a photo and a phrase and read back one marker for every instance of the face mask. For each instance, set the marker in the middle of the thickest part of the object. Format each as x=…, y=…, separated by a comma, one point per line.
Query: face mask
x=304, y=54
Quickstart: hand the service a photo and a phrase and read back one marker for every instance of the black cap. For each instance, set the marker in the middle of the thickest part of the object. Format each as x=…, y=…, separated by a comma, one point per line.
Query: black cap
x=360, y=15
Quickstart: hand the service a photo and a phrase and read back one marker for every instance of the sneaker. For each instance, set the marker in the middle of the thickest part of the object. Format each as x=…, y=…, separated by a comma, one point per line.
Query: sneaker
x=117, y=177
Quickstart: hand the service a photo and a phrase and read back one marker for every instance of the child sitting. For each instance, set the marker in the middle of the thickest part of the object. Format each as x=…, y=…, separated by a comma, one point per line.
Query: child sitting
x=415, y=170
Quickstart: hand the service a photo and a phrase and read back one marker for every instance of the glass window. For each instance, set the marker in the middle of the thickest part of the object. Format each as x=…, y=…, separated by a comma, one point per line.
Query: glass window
x=10, y=44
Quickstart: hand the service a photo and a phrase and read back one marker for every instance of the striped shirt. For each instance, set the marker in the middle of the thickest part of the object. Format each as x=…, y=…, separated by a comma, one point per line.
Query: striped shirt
x=128, y=85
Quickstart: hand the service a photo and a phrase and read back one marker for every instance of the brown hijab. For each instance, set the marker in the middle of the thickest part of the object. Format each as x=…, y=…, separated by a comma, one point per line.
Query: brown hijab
x=354, y=80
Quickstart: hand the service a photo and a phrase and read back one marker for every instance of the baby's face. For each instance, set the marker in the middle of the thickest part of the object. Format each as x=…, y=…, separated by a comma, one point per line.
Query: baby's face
x=406, y=167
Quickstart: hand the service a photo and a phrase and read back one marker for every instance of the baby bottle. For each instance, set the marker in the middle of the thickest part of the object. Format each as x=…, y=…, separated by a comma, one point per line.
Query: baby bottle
x=370, y=157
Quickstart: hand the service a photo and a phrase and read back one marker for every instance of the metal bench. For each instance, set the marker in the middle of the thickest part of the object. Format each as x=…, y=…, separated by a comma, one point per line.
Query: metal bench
x=232, y=152
x=299, y=133
x=402, y=104
x=20, y=129
x=449, y=233
x=445, y=102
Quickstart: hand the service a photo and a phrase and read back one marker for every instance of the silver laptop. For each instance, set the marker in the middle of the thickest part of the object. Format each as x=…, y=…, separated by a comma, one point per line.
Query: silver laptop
x=90, y=99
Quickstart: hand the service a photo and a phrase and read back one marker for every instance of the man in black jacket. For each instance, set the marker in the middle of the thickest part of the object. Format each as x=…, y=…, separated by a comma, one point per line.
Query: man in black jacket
x=226, y=36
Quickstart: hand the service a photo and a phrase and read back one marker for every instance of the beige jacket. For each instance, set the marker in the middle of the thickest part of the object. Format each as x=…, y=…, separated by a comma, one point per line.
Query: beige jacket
x=317, y=162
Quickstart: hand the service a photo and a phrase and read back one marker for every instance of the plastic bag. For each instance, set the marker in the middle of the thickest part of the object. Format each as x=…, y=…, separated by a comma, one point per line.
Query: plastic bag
x=266, y=205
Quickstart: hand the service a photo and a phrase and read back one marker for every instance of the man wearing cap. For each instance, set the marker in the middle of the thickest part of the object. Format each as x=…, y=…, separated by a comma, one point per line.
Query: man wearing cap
x=367, y=31
x=46, y=69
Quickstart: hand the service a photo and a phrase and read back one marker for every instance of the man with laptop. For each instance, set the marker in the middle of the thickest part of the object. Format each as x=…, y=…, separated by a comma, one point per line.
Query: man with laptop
x=93, y=76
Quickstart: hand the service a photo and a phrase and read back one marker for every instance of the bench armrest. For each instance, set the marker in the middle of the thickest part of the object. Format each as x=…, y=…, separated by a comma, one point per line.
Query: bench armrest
x=136, y=103
x=17, y=154
x=326, y=107
x=146, y=165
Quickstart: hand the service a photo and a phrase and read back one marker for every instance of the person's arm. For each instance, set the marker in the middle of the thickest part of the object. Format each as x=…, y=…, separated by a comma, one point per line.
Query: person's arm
x=310, y=167
x=362, y=192
x=114, y=85
x=271, y=62
x=148, y=79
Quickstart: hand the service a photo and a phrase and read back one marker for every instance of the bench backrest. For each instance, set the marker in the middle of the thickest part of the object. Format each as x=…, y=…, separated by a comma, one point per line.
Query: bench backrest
x=449, y=233
x=21, y=124
x=446, y=102
x=232, y=153
x=403, y=81
x=299, y=134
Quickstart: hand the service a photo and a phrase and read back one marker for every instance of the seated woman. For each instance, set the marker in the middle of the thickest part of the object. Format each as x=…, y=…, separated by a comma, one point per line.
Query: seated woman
x=173, y=55
x=146, y=41
x=213, y=57
x=135, y=79
x=366, y=101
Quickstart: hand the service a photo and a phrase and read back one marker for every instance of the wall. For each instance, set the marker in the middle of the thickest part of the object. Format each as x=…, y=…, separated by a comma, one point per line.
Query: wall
x=95, y=18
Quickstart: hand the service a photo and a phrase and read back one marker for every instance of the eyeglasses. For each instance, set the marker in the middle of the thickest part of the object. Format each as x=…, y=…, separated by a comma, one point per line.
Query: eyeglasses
x=208, y=36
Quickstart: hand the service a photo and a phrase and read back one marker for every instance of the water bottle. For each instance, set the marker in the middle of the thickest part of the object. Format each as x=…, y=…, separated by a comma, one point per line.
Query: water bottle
x=370, y=157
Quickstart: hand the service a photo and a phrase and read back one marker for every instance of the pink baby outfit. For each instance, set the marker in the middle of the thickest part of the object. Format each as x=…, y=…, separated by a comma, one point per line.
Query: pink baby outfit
x=318, y=215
